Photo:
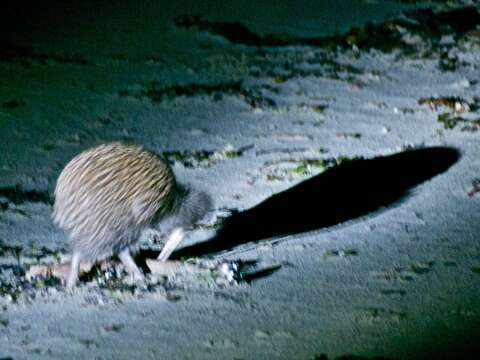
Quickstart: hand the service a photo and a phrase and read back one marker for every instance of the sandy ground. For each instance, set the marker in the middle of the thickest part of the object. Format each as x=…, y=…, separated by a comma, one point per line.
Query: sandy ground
x=248, y=101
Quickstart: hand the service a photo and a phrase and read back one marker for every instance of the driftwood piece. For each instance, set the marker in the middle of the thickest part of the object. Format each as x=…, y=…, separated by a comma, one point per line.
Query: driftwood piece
x=172, y=267
x=56, y=270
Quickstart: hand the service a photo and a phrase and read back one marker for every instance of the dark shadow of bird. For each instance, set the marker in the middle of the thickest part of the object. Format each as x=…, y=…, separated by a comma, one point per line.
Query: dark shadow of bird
x=345, y=192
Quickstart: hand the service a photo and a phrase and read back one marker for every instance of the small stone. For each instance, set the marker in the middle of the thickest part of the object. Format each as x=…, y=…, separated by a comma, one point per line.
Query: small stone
x=259, y=334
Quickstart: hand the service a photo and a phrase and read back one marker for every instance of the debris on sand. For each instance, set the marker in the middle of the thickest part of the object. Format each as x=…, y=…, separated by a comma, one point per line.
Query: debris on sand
x=108, y=281
x=459, y=111
x=475, y=187
x=204, y=158
x=454, y=103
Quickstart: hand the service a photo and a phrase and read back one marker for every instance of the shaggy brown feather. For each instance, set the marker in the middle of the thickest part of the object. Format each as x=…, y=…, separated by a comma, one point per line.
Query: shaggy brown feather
x=108, y=194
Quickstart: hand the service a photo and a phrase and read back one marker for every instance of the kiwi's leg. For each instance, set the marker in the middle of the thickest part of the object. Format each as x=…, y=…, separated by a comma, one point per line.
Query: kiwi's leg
x=175, y=237
x=129, y=263
x=74, y=270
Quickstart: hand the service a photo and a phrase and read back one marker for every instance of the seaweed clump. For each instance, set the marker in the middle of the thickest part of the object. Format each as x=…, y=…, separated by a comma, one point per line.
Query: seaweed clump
x=426, y=24
x=457, y=111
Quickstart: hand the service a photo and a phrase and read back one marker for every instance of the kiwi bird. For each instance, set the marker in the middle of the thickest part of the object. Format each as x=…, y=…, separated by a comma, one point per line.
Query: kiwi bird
x=107, y=195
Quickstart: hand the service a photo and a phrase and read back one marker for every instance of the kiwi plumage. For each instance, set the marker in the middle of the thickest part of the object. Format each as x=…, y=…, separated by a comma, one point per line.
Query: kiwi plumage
x=107, y=195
